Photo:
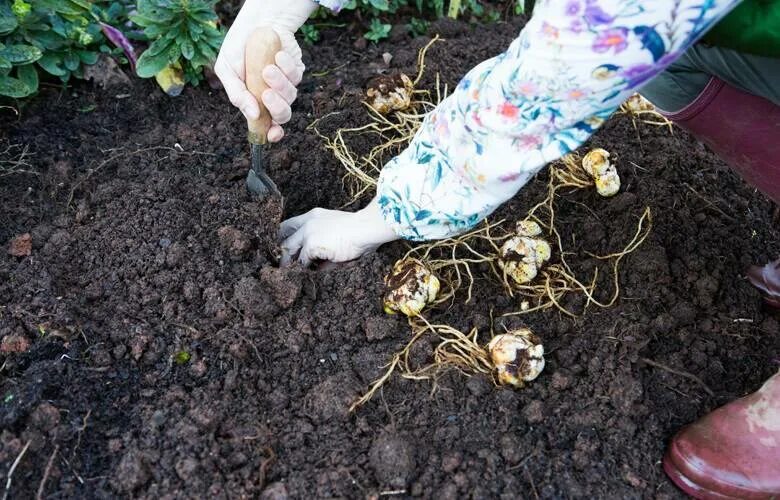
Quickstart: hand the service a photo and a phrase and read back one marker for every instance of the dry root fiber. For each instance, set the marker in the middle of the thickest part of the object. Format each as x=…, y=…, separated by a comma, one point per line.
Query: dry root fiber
x=641, y=110
x=522, y=260
x=513, y=358
x=396, y=109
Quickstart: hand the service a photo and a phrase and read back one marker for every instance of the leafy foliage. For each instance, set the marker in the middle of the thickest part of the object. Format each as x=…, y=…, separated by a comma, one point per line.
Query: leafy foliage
x=375, y=11
x=184, y=36
x=61, y=37
x=56, y=36
x=377, y=30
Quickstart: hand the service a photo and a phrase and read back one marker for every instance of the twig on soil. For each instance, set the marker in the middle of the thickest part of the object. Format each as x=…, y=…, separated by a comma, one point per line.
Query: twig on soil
x=13, y=468
x=709, y=203
x=81, y=431
x=531, y=480
x=687, y=375
x=266, y=464
x=46, y=473
x=387, y=493
x=81, y=480
x=13, y=160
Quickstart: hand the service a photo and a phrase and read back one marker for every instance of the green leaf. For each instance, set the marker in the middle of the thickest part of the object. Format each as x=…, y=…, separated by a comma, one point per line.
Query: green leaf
x=187, y=50
x=143, y=21
x=378, y=30
x=88, y=57
x=21, y=54
x=158, y=47
x=71, y=61
x=181, y=357
x=52, y=64
x=149, y=66
x=204, y=17
x=28, y=75
x=8, y=22
x=13, y=87
x=382, y=5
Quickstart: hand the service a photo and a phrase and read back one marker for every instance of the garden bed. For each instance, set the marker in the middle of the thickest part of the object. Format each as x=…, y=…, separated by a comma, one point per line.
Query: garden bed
x=163, y=353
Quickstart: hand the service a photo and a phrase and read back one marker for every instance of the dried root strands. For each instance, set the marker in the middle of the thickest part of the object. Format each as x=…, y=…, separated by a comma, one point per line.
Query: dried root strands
x=410, y=287
x=518, y=357
x=452, y=259
x=396, y=108
x=636, y=104
x=596, y=163
x=642, y=110
x=388, y=93
x=512, y=358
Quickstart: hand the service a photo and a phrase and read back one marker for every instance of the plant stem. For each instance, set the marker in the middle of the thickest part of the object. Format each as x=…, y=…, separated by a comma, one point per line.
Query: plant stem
x=454, y=9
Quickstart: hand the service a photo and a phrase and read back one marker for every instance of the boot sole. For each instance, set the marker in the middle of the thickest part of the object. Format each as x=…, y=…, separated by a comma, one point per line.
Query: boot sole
x=695, y=490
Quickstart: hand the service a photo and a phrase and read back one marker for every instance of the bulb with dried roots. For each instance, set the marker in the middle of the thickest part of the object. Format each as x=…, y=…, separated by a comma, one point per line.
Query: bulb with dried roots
x=410, y=287
x=596, y=164
x=518, y=357
x=523, y=255
x=388, y=93
x=637, y=104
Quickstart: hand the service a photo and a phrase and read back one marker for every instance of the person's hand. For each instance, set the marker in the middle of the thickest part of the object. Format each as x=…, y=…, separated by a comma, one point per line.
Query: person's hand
x=332, y=235
x=285, y=17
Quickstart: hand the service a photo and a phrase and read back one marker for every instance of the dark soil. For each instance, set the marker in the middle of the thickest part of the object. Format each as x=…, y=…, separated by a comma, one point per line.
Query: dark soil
x=152, y=348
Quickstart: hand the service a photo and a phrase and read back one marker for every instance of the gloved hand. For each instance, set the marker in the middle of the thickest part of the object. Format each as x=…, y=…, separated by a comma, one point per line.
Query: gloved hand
x=333, y=235
x=285, y=17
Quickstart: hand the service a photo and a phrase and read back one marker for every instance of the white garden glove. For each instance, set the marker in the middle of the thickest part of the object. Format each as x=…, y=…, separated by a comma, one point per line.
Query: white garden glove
x=285, y=17
x=333, y=235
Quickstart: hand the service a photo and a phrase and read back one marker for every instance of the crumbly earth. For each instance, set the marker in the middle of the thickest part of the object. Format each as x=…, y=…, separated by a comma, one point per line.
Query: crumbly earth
x=151, y=347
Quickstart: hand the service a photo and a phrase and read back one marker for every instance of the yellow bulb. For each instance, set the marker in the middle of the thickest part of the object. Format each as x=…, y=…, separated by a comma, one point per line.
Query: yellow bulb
x=518, y=357
x=596, y=164
x=409, y=288
x=522, y=256
x=388, y=93
x=527, y=228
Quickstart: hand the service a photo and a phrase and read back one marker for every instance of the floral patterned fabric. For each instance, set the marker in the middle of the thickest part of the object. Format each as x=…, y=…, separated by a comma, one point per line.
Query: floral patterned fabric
x=572, y=65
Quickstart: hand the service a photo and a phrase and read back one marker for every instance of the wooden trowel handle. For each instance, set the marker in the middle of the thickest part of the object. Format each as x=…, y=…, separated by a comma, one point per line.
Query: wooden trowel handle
x=261, y=49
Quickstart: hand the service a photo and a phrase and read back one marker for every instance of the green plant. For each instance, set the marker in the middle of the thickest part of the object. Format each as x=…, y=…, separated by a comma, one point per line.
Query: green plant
x=311, y=34
x=426, y=10
x=418, y=27
x=185, y=38
x=57, y=36
x=377, y=30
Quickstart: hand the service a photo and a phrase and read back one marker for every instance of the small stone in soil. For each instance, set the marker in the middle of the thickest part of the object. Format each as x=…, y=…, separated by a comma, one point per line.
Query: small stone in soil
x=131, y=473
x=392, y=459
x=20, y=246
x=234, y=241
x=45, y=417
x=274, y=491
x=534, y=412
x=14, y=343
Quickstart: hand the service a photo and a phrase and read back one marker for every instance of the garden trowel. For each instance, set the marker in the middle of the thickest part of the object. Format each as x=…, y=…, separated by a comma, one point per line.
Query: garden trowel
x=261, y=49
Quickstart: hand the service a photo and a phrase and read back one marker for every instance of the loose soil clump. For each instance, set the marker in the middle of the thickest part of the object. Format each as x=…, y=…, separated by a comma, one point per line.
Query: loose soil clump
x=151, y=347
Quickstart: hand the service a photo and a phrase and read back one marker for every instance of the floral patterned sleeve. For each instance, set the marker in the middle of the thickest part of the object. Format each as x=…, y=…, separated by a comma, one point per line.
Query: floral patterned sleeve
x=572, y=65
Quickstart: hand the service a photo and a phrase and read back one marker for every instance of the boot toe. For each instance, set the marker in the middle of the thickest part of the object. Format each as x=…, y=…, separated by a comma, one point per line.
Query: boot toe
x=695, y=472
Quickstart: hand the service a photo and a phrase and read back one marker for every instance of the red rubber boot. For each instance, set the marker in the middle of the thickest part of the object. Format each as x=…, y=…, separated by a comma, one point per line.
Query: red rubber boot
x=743, y=129
x=733, y=452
